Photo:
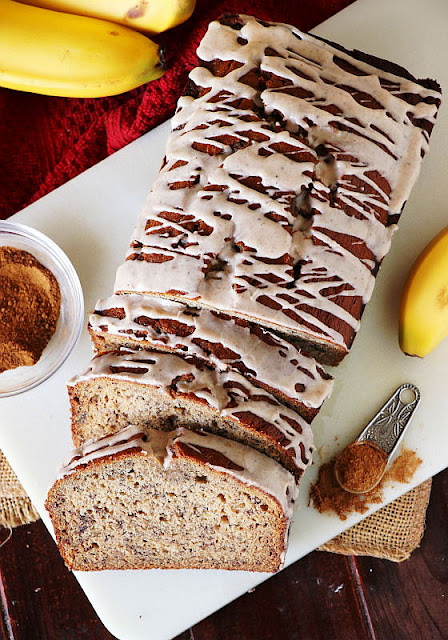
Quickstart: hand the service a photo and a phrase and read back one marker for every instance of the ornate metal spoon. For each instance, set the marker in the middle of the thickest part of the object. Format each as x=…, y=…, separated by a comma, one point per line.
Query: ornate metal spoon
x=361, y=465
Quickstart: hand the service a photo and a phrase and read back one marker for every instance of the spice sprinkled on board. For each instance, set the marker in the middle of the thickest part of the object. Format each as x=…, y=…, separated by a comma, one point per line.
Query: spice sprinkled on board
x=327, y=496
x=404, y=467
x=30, y=301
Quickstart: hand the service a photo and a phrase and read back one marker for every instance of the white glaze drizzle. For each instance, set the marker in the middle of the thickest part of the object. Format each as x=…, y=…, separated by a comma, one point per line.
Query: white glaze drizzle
x=257, y=469
x=381, y=147
x=109, y=445
x=282, y=366
x=229, y=393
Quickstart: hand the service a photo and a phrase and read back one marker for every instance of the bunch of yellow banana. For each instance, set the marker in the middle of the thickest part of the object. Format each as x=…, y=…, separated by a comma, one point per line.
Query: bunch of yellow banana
x=424, y=305
x=63, y=54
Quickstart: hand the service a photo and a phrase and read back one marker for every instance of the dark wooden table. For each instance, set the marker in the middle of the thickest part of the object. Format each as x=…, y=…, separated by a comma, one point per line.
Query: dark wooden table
x=323, y=596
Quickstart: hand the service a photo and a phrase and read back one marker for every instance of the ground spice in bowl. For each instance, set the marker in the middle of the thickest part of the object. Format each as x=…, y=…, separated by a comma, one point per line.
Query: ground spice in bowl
x=360, y=466
x=30, y=302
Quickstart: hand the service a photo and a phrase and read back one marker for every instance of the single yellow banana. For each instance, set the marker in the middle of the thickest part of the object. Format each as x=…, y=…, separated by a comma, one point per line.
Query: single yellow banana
x=150, y=16
x=424, y=305
x=59, y=54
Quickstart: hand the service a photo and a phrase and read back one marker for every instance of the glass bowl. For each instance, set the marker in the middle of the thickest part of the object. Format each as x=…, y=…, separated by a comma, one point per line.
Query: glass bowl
x=71, y=315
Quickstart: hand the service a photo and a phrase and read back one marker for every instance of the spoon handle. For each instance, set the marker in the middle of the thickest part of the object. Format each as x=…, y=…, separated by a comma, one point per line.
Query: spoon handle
x=388, y=426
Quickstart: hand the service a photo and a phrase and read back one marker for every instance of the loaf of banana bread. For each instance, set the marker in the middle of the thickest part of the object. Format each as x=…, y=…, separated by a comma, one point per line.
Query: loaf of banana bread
x=287, y=169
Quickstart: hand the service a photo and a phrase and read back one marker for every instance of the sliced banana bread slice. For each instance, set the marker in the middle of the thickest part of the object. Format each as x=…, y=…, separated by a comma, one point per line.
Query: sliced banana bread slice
x=136, y=321
x=171, y=500
x=165, y=390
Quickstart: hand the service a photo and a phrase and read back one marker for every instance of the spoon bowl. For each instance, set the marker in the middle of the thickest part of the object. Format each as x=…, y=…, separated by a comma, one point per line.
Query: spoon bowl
x=360, y=467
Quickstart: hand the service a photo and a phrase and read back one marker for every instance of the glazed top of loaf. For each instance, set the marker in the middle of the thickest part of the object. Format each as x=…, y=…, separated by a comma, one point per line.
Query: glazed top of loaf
x=227, y=392
x=220, y=454
x=226, y=342
x=288, y=166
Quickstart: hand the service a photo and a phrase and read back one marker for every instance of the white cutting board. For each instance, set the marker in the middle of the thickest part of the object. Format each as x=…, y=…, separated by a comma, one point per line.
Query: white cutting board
x=91, y=218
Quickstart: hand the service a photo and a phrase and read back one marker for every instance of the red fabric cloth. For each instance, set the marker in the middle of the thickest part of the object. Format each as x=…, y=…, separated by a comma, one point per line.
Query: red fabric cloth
x=45, y=141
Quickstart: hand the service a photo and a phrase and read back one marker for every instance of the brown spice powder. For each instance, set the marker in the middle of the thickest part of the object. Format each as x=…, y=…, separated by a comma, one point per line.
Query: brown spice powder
x=404, y=467
x=360, y=465
x=327, y=496
x=30, y=302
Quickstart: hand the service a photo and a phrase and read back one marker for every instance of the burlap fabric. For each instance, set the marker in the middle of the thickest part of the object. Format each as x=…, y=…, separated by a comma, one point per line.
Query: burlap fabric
x=15, y=506
x=391, y=533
